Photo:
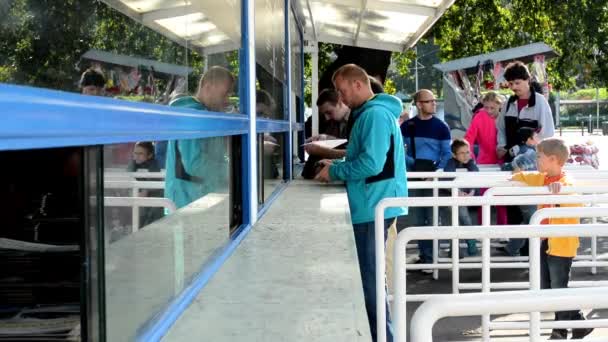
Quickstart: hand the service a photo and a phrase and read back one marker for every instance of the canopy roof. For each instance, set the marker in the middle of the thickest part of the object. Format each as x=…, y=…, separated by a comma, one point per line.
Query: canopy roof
x=523, y=53
x=214, y=26
x=393, y=25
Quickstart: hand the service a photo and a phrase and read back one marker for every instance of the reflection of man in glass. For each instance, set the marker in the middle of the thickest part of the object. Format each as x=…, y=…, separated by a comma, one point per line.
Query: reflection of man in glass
x=196, y=167
x=92, y=82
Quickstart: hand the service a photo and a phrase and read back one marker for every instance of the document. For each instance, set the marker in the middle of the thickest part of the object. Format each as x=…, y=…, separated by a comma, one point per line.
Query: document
x=333, y=143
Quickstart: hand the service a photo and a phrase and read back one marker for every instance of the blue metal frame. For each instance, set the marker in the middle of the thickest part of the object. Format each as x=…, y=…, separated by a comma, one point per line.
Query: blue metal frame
x=42, y=118
x=288, y=160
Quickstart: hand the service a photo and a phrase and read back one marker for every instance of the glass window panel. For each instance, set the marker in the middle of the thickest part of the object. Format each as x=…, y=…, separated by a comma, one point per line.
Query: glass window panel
x=271, y=162
x=98, y=48
x=270, y=58
x=151, y=253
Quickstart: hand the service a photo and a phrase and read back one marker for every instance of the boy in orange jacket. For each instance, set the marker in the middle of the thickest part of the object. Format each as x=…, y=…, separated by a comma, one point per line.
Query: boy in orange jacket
x=556, y=253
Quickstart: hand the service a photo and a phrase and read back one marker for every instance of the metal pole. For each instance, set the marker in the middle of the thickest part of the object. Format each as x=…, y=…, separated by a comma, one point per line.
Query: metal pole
x=455, y=247
x=597, y=106
x=315, y=89
x=416, y=66
x=557, y=112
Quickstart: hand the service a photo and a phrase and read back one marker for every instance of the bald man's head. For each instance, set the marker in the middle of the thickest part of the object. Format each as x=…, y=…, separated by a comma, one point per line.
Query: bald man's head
x=425, y=103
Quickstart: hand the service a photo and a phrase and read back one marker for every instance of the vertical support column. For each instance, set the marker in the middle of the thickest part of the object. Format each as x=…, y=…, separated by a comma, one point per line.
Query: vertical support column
x=247, y=94
x=301, y=134
x=288, y=153
x=597, y=106
x=557, y=112
x=315, y=88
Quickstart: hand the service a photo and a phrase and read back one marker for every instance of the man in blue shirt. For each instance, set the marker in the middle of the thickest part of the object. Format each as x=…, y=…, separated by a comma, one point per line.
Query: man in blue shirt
x=374, y=169
x=428, y=148
x=196, y=167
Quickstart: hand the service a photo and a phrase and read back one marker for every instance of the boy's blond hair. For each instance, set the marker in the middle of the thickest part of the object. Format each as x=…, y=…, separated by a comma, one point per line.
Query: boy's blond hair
x=492, y=97
x=554, y=147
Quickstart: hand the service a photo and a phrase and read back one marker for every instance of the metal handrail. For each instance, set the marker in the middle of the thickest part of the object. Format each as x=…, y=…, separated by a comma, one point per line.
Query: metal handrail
x=507, y=302
x=452, y=201
x=485, y=232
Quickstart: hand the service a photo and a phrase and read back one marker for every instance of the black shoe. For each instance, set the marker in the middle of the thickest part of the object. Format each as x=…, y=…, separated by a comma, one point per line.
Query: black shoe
x=578, y=334
x=503, y=251
x=559, y=334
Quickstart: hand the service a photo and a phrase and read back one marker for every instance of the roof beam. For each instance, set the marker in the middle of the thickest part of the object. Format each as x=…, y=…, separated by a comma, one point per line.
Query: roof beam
x=366, y=43
x=312, y=21
x=361, y=13
x=378, y=5
x=172, y=12
x=429, y=23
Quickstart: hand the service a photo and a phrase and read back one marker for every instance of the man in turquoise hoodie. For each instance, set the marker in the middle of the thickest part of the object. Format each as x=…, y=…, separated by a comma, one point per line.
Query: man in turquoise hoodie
x=374, y=169
x=196, y=167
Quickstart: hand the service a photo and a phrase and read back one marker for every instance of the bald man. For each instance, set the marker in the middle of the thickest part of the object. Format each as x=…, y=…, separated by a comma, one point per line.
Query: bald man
x=196, y=167
x=428, y=149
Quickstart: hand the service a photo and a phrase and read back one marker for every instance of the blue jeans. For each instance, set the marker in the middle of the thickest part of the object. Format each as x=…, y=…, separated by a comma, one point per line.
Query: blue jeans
x=420, y=217
x=555, y=274
x=366, y=252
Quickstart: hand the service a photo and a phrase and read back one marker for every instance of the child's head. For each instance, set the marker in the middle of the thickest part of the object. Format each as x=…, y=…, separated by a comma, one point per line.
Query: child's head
x=143, y=151
x=461, y=150
x=492, y=103
x=552, y=154
x=528, y=136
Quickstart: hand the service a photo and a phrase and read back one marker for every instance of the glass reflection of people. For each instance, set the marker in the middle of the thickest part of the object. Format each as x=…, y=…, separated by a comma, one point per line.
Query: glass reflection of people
x=265, y=106
x=92, y=82
x=143, y=159
x=196, y=167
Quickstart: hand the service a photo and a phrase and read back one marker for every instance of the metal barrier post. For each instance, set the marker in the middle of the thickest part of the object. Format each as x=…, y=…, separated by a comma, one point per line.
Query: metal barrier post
x=135, y=211
x=485, y=269
x=380, y=273
x=435, y=223
x=594, y=248
x=455, y=247
x=534, y=275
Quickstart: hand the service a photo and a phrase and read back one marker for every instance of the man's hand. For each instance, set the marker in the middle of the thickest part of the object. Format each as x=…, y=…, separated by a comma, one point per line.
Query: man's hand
x=323, y=175
x=319, y=137
x=555, y=187
x=316, y=150
x=500, y=152
x=325, y=162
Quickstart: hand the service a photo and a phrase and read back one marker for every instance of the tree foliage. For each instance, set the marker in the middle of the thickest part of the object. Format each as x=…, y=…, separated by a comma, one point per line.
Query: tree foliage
x=42, y=41
x=576, y=29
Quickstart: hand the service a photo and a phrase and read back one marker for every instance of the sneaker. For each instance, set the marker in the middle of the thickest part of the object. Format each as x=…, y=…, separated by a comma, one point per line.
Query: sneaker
x=579, y=334
x=559, y=334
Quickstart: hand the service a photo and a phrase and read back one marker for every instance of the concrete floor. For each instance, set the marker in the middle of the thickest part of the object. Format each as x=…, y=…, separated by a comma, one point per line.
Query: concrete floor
x=293, y=278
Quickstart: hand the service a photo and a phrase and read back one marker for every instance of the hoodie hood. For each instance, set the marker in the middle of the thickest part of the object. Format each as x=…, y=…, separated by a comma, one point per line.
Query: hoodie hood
x=390, y=102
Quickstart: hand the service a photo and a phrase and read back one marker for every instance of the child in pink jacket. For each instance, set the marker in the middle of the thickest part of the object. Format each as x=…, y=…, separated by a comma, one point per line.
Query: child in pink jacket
x=483, y=132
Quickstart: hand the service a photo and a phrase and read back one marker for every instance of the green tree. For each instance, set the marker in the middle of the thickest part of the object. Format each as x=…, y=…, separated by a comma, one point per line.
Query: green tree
x=576, y=29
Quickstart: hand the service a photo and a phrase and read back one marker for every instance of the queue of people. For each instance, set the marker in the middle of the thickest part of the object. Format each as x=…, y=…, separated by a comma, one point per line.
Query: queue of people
x=383, y=142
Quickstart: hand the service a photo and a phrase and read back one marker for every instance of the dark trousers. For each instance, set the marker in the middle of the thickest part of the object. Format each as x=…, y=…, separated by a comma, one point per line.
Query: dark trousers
x=420, y=217
x=366, y=252
x=555, y=274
